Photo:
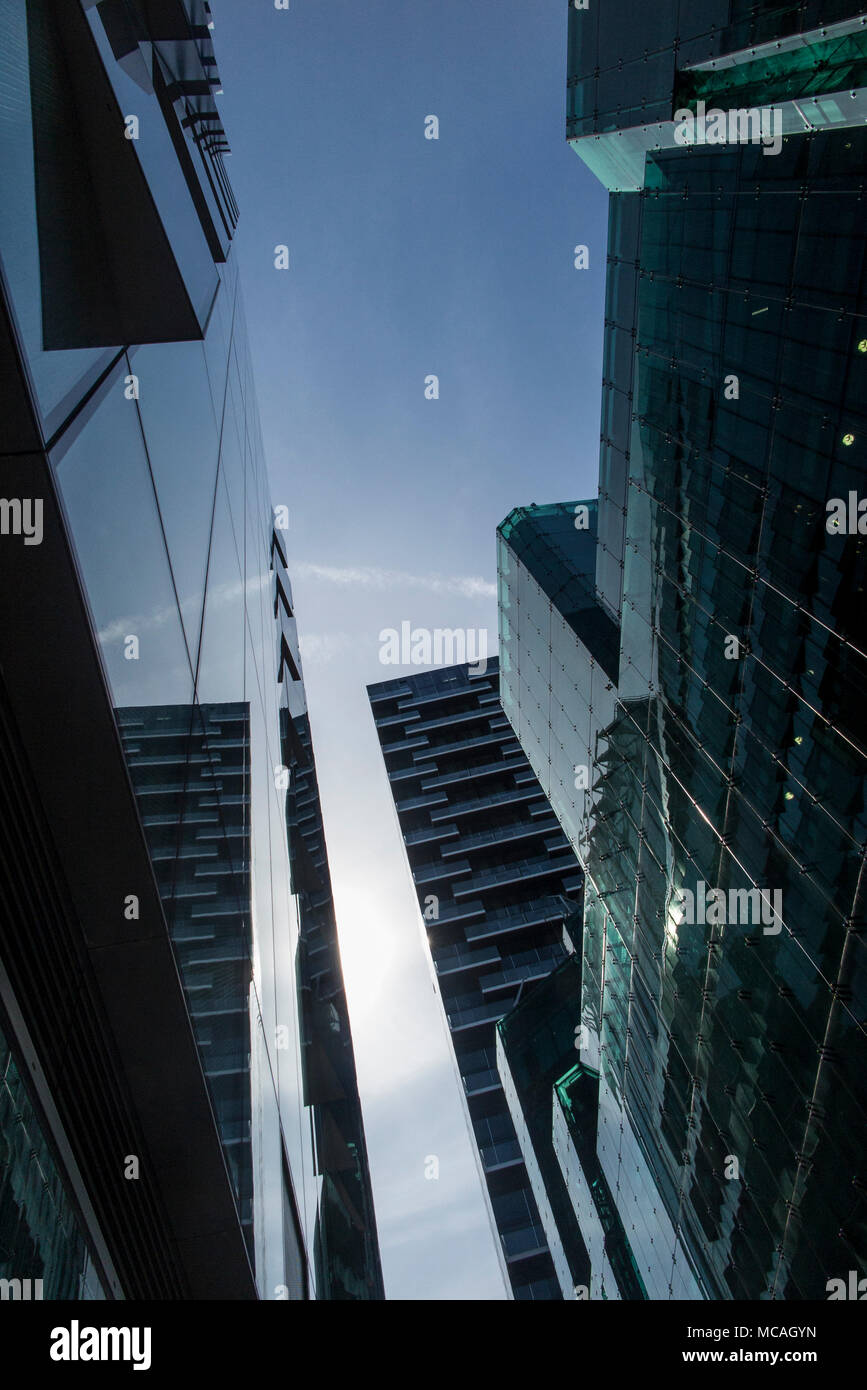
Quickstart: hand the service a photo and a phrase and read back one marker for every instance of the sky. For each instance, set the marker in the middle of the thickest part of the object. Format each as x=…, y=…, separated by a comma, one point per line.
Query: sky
x=408, y=257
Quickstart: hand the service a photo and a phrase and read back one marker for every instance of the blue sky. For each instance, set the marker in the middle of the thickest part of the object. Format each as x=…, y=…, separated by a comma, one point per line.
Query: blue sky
x=408, y=257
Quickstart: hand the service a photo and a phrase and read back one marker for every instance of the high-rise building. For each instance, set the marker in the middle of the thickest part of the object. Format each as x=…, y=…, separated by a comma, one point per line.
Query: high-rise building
x=179, y=1111
x=711, y=777
x=495, y=879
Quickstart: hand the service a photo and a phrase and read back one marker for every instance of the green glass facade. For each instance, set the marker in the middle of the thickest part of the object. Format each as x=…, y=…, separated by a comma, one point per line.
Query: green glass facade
x=561, y=700
x=810, y=69
x=727, y=751
x=632, y=66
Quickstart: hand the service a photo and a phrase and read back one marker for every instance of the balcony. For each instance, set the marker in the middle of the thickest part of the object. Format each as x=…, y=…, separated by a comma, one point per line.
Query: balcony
x=552, y=908
x=450, y=960
x=405, y=773
x=459, y=912
x=405, y=744
x=386, y=720
x=459, y=1019
x=417, y=803
x=471, y=716
x=520, y=872
x=476, y=1083
x=524, y=1243
x=520, y=974
x=449, y=721
x=513, y=764
x=446, y=693
x=442, y=750
x=505, y=834
x=429, y=833
x=482, y=803
x=430, y=873
x=505, y=1154
x=377, y=696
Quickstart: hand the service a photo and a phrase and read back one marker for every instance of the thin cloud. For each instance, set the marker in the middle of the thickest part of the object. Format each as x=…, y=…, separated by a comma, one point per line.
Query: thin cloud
x=317, y=648
x=371, y=577
x=218, y=595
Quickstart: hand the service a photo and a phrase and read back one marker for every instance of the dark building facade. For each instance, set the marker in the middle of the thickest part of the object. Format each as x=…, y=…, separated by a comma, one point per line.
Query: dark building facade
x=179, y=1112
x=712, y=783
x=190, y=767
x=495, y=880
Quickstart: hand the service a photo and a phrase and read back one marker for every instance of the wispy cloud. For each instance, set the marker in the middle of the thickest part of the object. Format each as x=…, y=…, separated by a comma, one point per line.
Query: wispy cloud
x=320, y=647
x=218, y=595
x=372, y=577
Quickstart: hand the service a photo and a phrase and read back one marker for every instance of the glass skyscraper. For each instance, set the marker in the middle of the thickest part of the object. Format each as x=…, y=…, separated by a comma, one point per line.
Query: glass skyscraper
x=179, y=1112
x=683, y=660
x=496, y=881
